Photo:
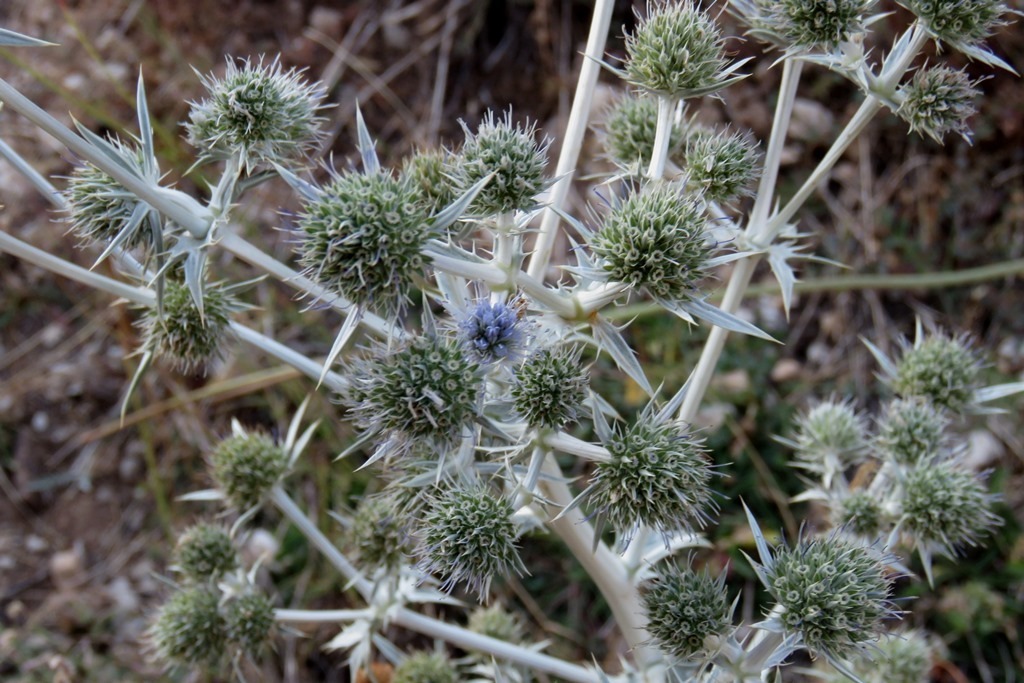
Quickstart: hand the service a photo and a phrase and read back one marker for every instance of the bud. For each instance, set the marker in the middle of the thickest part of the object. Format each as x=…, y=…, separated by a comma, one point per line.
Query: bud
x=686, y=611
x=427, y=389
x=245, y=467
x=656, y=239
x=550, y=387
x=946, y=507
x=363, y=237
x=830, y=437
x=676, y=51
x=426, y=667
x=257, y=111
x=902, y=657
x=493, y=331
x=468, y=535
x=911, y=431
x=937, y=101
x=658, y=475
x=250, y=621
x=630, y=128
x=859, y=513
x=512, y=154
x=189, y=629
x=205, y=552
x=428, y=171
x=496, y=622
x=942, y=369
x=832, y=592
x=380, y=533
x=99, y=208
x=723, y=165
x=190, y=339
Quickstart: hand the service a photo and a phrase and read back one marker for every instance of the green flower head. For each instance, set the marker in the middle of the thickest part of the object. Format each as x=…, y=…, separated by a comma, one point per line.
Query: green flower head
x=688, y=612
x=205, y=552
x=189, y=629
x=550, y=387
x=426, y=667
x=630, y=127
x=940, y=368
x=937, y=101
x=246, y=465
x=724, y=165
x=250, y=621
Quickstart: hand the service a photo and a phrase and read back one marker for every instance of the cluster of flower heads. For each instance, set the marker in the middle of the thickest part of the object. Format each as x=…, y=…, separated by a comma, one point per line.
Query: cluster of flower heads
x=919, y=489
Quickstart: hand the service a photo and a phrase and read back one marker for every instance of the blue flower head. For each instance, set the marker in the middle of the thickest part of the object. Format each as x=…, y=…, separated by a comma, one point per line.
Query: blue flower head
x=493, y=331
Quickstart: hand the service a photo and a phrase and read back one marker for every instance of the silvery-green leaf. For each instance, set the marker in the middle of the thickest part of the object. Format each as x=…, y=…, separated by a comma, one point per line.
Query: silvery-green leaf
x=149, y=165
x=107, y=149
x=139, y=214
x=997, y=391
x=206, y=495
x=367, y=149
x=454, y=211
x=9, y=38
x=195, y=262
x=144, y=363
x=840, y=666
x=720, y=318
x=888, y=367
x=785, y=277
x=308, y=191
x=348, y=328
x=609, y=339
x=299, y=446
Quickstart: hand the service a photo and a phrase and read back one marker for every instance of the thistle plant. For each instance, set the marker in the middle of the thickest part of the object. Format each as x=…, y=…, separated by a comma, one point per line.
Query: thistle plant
x=463, y=362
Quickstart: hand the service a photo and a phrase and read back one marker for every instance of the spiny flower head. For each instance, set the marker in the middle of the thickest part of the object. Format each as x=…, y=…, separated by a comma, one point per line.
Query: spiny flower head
x=363, y=237
x=428, y=171
x=192, y=339
x=723, y=165
x=249, y=618
x=688, y=612
x=493, y=330
x=246, y=465
x=656, y=239
x=657, y=475
x=946, y=507
x=426, y=389
x=257, y=111
x=189, y=629
x=512, y=154
x=426, y=667
x=860, y=513
x=937, y=101
x=829, y=438
x=834, y=593
x=964, y=24
x=99, y=208
x=629, y=131
x=550, y=386
x=205, y=552
x=380, y=533
x=676, y=51
x=941, y=368
x=911, y=431
x=468, y=535
x=901, y=657
x=818, y=25
x=496, y=622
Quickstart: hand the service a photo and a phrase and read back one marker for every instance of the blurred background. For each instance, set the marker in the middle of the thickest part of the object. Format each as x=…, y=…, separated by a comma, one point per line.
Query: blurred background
x=88, y=510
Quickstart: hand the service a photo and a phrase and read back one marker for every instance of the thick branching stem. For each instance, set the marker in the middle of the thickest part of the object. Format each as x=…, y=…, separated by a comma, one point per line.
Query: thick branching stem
x=575, y=131
x=662, y=138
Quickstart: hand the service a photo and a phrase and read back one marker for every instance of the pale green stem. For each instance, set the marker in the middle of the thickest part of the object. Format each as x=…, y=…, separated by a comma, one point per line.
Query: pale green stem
x=253, y=255
x=407, y=618
x=35, y=177
x=662, y=137
x=566, y=443
x=744, y=270
x=559, y=303
x=484, y=272
x=576, y=130
x=177, y=206
x=604, y=567
x=320, y=616
x=303, y=364
x=595, y=299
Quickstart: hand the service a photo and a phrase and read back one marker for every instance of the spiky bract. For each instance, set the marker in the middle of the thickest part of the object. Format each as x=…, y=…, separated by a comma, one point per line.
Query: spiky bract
x=250, y=621
x=629, y=131
x=550, y=386
x=832, y=592
x=245, y=466
x=658, y=475
x=946, y=506
x=937, y=101
x=656, y=239
x=496, y=622
x=512, y=154
x=426, y=667
x=189, y=629
x=205, y=552
x=425, y=389
x=189, y=338
x=911, y=431
x=722, y=164
x=363, y=238
x=688, y=612
x=257, y=111
x=675, y=49
x=943, y=369
x=468, y=535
